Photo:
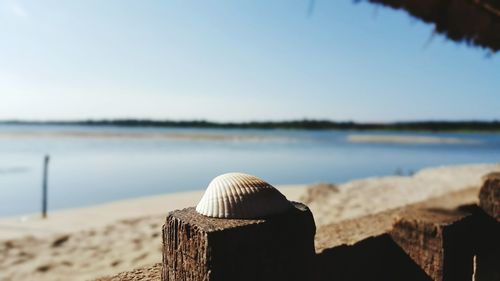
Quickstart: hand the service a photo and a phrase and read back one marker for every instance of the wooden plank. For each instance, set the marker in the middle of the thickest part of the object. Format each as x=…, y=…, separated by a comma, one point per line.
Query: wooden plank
x=367, y=248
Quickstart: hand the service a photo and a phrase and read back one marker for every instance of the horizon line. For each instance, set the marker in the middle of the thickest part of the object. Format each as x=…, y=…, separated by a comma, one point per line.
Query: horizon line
x=209, y=121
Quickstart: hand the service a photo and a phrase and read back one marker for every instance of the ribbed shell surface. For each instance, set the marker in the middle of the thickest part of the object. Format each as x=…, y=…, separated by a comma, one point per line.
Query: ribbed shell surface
x=241, y=196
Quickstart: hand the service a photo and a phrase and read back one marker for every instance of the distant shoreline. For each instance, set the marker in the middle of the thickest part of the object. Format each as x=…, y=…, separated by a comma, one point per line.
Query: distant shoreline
x=412, y=126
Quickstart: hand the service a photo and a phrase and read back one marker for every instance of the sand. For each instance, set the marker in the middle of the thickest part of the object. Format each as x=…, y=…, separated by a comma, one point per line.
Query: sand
x=372, y=195
x=87, y=243
x=409, y=139
x=140, y=135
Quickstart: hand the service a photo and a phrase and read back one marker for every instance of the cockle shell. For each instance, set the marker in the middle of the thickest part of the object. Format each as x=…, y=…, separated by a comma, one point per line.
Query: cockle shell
x=241, y=196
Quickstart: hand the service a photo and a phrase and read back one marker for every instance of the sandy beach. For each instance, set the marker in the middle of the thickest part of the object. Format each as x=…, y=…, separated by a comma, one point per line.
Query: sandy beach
x=88, y=243
x=408, y=139
x=117, y=135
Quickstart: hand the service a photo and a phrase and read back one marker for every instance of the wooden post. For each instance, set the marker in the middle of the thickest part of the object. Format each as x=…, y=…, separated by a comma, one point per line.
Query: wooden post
x=487, y=260
x=199, y=248
x=440, y=241
x=44, y=185
x=489, y=196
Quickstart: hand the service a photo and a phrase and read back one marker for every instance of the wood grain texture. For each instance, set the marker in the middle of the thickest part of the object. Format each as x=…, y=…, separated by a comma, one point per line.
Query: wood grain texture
x=489, y=195
x=440, y=241
x=280, y=247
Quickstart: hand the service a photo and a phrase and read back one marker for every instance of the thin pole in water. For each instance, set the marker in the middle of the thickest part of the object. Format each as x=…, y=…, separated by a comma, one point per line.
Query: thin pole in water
x=44, y=187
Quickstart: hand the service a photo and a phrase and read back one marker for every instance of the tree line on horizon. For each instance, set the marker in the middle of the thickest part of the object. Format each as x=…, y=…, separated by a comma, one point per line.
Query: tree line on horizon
x=305, y=124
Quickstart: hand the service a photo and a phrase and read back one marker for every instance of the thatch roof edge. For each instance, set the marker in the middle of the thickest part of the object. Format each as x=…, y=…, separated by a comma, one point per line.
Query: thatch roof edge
x=475, y=22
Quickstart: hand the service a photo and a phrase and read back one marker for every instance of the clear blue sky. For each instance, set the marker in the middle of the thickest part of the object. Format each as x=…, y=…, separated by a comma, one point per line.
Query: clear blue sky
x=235, y=60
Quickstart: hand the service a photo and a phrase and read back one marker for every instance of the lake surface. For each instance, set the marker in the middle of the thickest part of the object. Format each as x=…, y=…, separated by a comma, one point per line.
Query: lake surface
x=91, y=165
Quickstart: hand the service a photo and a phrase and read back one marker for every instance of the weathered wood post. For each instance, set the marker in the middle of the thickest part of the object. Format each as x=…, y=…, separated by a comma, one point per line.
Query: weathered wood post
x=455, y=244
x=440, y=241
x=44, y=185
x=487, y=259
x=208, y=243
x=489, y=195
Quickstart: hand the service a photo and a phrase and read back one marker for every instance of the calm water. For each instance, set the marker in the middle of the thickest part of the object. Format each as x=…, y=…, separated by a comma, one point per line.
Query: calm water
x=91, y=165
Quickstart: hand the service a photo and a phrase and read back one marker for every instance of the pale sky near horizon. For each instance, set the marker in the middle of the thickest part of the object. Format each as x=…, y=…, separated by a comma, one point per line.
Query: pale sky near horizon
x=235, y=61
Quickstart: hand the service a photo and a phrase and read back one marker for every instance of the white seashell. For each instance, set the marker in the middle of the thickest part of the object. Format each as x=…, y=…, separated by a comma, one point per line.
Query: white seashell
x=241, y=196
